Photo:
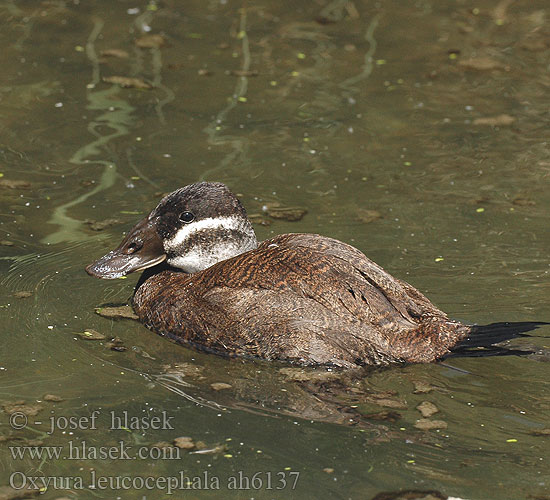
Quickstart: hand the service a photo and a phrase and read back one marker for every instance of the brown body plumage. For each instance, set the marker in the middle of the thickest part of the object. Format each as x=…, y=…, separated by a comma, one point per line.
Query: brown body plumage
x=302, y=298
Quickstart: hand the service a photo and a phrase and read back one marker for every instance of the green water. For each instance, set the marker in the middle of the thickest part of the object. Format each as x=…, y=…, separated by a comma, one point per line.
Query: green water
x=355, y=106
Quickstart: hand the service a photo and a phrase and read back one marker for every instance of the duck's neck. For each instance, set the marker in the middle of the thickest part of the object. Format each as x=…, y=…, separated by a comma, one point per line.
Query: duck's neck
x=204, y=243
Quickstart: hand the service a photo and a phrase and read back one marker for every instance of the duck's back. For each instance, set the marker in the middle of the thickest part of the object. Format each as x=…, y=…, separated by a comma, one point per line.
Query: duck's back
x=298, y=297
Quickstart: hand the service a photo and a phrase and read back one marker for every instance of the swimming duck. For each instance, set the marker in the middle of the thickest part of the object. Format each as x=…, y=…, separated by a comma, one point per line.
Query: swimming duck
x=301, y=298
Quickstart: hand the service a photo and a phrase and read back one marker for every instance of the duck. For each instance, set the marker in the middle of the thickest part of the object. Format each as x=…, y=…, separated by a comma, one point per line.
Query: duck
x=298, y=298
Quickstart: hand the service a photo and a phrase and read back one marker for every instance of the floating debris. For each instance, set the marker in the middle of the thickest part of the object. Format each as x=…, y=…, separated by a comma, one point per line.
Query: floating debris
x=6, y=243
x=91, y=334
x=118, y=53
x=127, y=82
x=291, y=214
x=208, y=451
x=503, y=120
x=302, y=375
x=541, y=432
x=101, y=225
x=204, y=72
x=259, y=219
x=523, y=202
x=367, y=216
x=52, y=398
x=11, y=184
x=426, y=424
x=21, y=407
x=427, y=409
x=117, y=345
x=480, y=63
x=220, y=386
x=150, y=42
x=184, y=443
x=328, y=470
x=185, y=369
x=23, y=294
x=120, y=312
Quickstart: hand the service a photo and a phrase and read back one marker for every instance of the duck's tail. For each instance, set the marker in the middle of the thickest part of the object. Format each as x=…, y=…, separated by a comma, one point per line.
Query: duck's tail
x=483, y=340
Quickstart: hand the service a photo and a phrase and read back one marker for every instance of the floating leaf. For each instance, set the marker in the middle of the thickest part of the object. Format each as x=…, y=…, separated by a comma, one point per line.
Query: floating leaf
x=124, y=312
x=128, y=82
x=118, y=53
x=367, y=216
x=101, y=225
x=480, y=63
x=503, y=120
x=427, y=409
x=150, y=41
x=91, y=334
x=52, y=398
x=11, y=184
x=220, y=386
x=426, y=424
x=184, y=443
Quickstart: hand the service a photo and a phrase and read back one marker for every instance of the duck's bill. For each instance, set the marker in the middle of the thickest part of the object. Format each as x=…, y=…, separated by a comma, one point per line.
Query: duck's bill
x=142, y=248
x=114, y=265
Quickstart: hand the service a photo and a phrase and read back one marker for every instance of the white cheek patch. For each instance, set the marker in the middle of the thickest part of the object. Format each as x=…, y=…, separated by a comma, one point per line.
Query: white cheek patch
x=174, y=243
x=196, y=258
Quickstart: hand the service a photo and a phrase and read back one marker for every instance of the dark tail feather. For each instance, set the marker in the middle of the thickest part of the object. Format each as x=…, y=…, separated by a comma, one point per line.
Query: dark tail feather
x=483, y=339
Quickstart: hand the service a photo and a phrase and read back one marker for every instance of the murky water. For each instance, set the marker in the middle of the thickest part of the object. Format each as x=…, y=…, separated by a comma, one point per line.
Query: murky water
x=417, y=132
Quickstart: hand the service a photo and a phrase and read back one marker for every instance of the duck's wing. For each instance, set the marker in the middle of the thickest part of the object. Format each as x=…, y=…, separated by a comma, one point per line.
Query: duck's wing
x=377, y=296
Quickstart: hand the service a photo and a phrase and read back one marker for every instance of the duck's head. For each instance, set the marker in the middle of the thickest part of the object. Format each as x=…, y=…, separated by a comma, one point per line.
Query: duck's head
x=191, y=229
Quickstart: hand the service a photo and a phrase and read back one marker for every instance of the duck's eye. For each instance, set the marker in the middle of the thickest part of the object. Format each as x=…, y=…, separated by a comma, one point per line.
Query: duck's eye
x=187, y=217
x=134, y=247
